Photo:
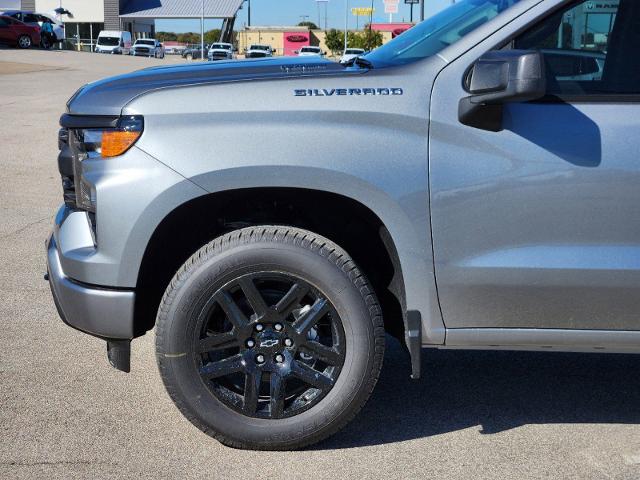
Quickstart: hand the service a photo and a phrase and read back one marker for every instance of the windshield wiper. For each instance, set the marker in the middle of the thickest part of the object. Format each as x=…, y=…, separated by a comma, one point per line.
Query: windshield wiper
x=359, y=61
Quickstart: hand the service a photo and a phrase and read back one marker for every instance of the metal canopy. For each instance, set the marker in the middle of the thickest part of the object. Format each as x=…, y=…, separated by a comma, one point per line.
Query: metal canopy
x=180, y=8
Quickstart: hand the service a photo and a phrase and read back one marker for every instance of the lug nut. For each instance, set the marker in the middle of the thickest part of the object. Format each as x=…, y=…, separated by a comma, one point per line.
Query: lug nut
x=250, y=343
x=288, y=342
x=260, y=358
x=278, y=327
x=259, y=327
x=279, y=358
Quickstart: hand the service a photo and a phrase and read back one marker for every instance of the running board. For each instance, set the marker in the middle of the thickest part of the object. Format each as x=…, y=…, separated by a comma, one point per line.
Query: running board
x=562, y=340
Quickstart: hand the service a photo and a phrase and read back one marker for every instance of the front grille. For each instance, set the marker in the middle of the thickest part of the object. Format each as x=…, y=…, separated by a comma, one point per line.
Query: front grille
x=65, y=166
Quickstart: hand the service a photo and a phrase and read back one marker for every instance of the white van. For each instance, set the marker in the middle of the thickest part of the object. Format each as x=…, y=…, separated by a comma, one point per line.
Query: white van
x=113, y=41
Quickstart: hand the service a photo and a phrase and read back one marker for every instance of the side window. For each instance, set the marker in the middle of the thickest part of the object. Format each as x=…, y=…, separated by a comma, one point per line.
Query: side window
x=3, y=22
x=590, y=47
x=30, y=18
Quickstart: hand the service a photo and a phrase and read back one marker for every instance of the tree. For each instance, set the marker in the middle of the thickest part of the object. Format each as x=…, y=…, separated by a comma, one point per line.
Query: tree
x=334, y=40
x=166, y=36
x=311, y=25
x=371, y=39
x=212, y=36
x=354, y=40
x=189, y=37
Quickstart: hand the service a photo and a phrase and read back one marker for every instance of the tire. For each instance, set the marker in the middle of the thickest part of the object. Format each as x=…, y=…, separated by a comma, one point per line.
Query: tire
x=24, y=41
x=320, y=330
x=189, y=56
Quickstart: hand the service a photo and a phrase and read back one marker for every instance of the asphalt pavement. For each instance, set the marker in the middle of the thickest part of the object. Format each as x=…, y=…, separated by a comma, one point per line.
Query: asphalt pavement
x=65, y=413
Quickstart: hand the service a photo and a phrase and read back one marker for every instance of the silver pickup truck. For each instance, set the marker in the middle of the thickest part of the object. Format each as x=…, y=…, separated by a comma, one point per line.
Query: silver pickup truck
x=452, y=188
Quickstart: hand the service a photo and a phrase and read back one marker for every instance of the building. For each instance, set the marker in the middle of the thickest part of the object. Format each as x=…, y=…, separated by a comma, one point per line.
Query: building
x=286, y=40
x=390, y=31
x=88, y=17
x=283, y=39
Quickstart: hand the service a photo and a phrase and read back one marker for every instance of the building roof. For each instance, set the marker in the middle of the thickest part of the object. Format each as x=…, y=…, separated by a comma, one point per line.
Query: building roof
x=276, y=28
x=180, y=8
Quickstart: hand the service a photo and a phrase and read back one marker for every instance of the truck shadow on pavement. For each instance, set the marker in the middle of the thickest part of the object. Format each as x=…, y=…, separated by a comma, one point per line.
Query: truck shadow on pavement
x=496, y=391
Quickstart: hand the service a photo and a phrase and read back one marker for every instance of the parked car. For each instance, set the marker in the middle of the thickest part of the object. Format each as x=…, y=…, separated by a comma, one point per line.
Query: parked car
x=14, y=32
x=351, y=53
x=449, y=189
x=194, y=52
x=220, y=51
x=36, y=19
x=310, y=51
x=259, y=51
x=147, y=47
x=113, y=42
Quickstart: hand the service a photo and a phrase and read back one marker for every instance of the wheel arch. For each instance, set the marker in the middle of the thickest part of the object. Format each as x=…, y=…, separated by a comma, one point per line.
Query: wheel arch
x=345, y=220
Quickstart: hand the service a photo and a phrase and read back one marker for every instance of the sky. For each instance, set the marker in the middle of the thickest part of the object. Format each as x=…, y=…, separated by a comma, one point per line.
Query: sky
x=291, y=12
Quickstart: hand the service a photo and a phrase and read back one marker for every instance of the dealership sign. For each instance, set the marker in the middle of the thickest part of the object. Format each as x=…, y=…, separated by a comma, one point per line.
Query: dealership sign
x=391, y=6
x=297, y=38
x=601, y=7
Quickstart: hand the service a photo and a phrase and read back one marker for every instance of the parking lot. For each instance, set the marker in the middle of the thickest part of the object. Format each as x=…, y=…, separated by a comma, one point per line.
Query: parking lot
x=65, y=413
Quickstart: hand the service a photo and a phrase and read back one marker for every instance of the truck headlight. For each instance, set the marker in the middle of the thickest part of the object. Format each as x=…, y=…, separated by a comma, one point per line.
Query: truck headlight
x=97, y=144
x=110, y=142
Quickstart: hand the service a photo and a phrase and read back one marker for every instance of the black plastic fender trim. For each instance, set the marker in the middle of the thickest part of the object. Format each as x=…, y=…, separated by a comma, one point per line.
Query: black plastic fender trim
x=413, y=338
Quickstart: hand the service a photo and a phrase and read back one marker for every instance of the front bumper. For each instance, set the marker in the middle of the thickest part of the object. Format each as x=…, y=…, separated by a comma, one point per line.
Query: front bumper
x=102, y=312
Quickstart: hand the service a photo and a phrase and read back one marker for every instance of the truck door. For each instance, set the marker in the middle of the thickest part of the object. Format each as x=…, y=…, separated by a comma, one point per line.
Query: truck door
x=538, y=225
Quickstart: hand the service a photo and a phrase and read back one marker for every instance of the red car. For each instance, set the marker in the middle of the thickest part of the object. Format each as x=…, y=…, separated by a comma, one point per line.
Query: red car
x=14, y=32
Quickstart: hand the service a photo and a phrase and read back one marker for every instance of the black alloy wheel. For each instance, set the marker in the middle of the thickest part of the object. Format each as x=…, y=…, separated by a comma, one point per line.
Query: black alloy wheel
x=269, y=345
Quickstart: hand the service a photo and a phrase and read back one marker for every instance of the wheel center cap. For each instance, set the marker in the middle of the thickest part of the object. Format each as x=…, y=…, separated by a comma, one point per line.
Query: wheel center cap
x=268, y=340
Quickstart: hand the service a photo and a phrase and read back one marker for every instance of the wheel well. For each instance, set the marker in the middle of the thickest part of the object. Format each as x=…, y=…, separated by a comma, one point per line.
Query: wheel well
x=343, y=220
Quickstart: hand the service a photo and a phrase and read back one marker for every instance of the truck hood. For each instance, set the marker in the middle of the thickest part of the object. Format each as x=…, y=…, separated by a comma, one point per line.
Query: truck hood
x=110, y=95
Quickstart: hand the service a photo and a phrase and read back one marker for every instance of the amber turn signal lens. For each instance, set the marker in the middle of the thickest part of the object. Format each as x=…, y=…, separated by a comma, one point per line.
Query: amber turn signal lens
x=117, y=142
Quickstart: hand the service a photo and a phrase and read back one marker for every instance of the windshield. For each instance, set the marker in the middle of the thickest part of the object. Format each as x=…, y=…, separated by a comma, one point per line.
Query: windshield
x=108, y=41
x=353, y=52
x=221, y=46
x=145, y=42
x=440, y=31
x=260, y=47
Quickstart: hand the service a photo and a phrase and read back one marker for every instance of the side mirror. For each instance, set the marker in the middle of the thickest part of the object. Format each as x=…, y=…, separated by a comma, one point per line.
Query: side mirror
x=499, y=77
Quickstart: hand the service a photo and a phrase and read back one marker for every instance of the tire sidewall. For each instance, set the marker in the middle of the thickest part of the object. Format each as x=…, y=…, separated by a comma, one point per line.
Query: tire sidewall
x=178, y=361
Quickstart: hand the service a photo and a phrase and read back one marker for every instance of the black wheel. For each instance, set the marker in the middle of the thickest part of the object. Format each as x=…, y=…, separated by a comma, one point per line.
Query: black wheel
x=269, y=338
x=24, y=41
x=189, y=56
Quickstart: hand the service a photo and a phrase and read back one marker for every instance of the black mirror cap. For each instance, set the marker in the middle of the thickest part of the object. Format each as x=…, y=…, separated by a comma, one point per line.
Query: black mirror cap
x=499, y=77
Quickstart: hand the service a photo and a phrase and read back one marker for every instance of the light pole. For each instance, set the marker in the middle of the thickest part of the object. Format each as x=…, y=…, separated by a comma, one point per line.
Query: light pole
x=422, y=10
x=346, y=23
x=202, y=33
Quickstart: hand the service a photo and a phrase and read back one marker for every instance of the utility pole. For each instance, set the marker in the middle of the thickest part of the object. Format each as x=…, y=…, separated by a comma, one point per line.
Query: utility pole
x=248, y=13
x=422, y=10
